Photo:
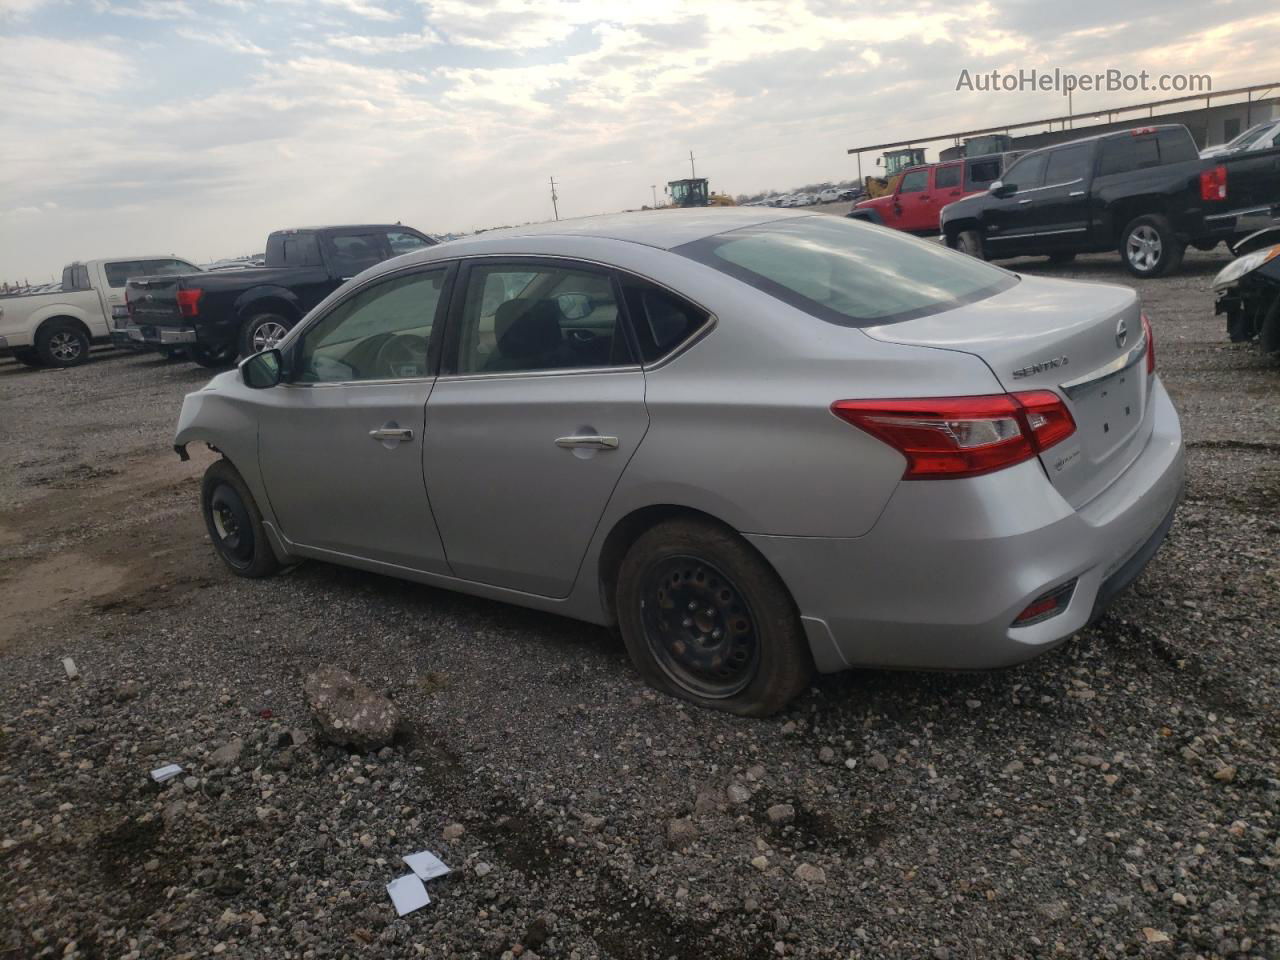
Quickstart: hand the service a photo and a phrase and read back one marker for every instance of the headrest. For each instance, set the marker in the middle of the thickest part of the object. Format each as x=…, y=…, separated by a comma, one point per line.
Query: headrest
x=527, y=328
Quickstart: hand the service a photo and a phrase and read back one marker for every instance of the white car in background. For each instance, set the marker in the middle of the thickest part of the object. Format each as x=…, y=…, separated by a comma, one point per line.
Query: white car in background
x=1261, y=136
x=55, y=329
x=829, y=195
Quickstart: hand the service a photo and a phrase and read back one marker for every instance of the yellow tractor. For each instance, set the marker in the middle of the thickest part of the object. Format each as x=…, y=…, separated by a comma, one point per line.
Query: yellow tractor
x=895, y=163
x=696, y=193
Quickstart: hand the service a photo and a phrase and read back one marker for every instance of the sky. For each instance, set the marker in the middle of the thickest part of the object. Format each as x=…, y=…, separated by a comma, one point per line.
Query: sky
x=195, y=128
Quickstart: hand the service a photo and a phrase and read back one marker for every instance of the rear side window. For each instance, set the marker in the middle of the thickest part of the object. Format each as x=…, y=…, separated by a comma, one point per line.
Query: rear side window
x=983, y=172
x=914, y=181
x=835, y=269
x=947, y=176
x=662, y=321
x=350, y=253
x=1068, y=164
x=300, y=250
x=1124, y=154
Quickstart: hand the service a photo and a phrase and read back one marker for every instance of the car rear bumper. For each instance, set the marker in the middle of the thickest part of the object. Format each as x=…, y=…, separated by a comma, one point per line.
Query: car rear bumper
x=161, y=336
x=939, y=580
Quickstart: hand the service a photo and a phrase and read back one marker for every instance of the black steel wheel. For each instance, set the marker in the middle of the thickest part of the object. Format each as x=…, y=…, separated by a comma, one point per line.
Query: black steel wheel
x=699, y=627
x=705, y=618
x=234, y=522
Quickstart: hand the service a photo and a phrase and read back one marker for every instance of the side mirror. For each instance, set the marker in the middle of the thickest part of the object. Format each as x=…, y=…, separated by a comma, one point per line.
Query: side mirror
x=999, y=188
x=262, y=370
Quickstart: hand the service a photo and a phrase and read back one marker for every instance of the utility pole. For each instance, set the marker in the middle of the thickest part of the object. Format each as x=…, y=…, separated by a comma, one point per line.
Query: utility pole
x=692, y=174
x=554, y=208
x=654, y=188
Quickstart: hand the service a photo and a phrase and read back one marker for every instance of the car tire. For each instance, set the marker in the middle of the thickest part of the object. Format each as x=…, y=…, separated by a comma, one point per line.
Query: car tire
x=1149, y=247
x=213, y=359
x=970, y=242
x=28, y=356
x=261, y=332
x=740, y=646
x=235, y=523
x=1063, y=257
x=62, y=343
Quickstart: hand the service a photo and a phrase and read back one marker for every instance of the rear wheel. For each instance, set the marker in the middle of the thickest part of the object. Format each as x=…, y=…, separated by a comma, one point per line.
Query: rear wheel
x=235, y=523
x=262, y=332
x=62, y=343
x=1150, y=248
x=705, y=618
x=970, y=242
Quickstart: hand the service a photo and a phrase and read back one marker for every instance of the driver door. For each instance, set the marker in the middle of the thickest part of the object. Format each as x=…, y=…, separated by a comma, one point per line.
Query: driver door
x=340, y=444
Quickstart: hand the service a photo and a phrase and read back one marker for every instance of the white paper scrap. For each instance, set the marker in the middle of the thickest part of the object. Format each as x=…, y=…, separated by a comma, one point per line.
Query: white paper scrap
x=161, y=774
x=69, y=665
x=426, y=865
x=408, y=894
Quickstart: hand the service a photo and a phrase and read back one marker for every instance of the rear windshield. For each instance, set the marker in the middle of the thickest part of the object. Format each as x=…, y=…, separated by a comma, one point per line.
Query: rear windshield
x=849, y=272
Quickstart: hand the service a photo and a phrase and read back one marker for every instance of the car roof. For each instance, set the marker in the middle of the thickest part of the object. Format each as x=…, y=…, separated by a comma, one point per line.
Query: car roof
x=348, y=226
x=663, y=229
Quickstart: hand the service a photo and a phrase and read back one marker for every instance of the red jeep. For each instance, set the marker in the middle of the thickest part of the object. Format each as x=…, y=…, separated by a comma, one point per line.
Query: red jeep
x=922, y=192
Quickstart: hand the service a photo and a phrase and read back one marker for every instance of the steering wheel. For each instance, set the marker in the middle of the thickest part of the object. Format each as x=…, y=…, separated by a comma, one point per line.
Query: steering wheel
x=401, y=356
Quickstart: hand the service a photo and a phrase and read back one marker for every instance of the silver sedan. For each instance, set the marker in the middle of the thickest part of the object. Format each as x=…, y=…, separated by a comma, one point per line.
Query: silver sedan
x=758, y=442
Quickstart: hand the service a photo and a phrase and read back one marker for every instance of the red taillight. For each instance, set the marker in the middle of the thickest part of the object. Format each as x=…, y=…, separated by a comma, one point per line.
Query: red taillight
x=1151, y=345
x=189, y=302
x=1046, y=605
x=1213, y=183
x=963, y=436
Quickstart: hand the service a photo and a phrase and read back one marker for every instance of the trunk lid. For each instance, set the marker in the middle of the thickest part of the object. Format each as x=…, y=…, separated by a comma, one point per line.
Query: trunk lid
x=1083, y=341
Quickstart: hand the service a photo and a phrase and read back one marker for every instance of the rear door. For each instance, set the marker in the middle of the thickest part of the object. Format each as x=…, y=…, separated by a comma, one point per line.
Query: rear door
x=534, y=420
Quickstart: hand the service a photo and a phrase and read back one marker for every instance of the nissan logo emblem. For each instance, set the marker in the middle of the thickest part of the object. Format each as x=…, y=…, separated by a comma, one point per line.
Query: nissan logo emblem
x=1122, y=333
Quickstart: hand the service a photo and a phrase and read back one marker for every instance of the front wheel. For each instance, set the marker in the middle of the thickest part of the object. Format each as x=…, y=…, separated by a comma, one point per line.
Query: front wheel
x=235, y=523
x=1150, y=248
x=970, y=242
x=706, y=619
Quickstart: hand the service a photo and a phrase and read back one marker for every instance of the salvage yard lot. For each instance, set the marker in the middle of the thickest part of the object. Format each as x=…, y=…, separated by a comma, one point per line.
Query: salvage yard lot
x=1119, y=796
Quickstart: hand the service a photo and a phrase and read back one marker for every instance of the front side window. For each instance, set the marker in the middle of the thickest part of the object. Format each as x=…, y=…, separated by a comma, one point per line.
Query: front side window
x=914, y=181
x=1027, y=173
x=120, y=272
x=521, y=317
x=380, y=333
x=402, y=241
x=848, y=272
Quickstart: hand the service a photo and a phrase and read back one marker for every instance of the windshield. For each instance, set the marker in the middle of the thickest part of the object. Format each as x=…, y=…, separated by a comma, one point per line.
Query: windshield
x=847, y=271
x=1246, y=138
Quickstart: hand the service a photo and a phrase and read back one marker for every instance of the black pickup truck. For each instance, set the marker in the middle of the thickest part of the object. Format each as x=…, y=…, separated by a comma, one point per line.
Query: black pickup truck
x=217, y=316
x=1144, y=192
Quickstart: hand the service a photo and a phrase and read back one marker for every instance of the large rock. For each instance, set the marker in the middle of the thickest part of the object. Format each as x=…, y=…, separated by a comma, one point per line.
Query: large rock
x=349, y=712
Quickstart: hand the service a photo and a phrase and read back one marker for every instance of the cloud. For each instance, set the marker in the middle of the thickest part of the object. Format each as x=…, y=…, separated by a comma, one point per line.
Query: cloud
x=223, y=39
x=363, y=8
x=147, y=9
x=17, y=9
x=399, y=43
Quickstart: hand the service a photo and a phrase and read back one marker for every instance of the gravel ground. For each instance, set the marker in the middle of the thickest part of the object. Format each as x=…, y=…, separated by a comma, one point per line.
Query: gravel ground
x=1117, y=797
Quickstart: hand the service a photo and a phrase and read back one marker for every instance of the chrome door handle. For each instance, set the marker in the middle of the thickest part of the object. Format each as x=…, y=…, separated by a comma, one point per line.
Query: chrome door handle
x=589, y=441
x=392, y=433
x=1076, y=193
x=1028, y=200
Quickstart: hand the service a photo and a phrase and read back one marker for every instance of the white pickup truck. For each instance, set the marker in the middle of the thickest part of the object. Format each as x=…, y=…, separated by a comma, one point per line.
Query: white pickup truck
x=55, y=329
